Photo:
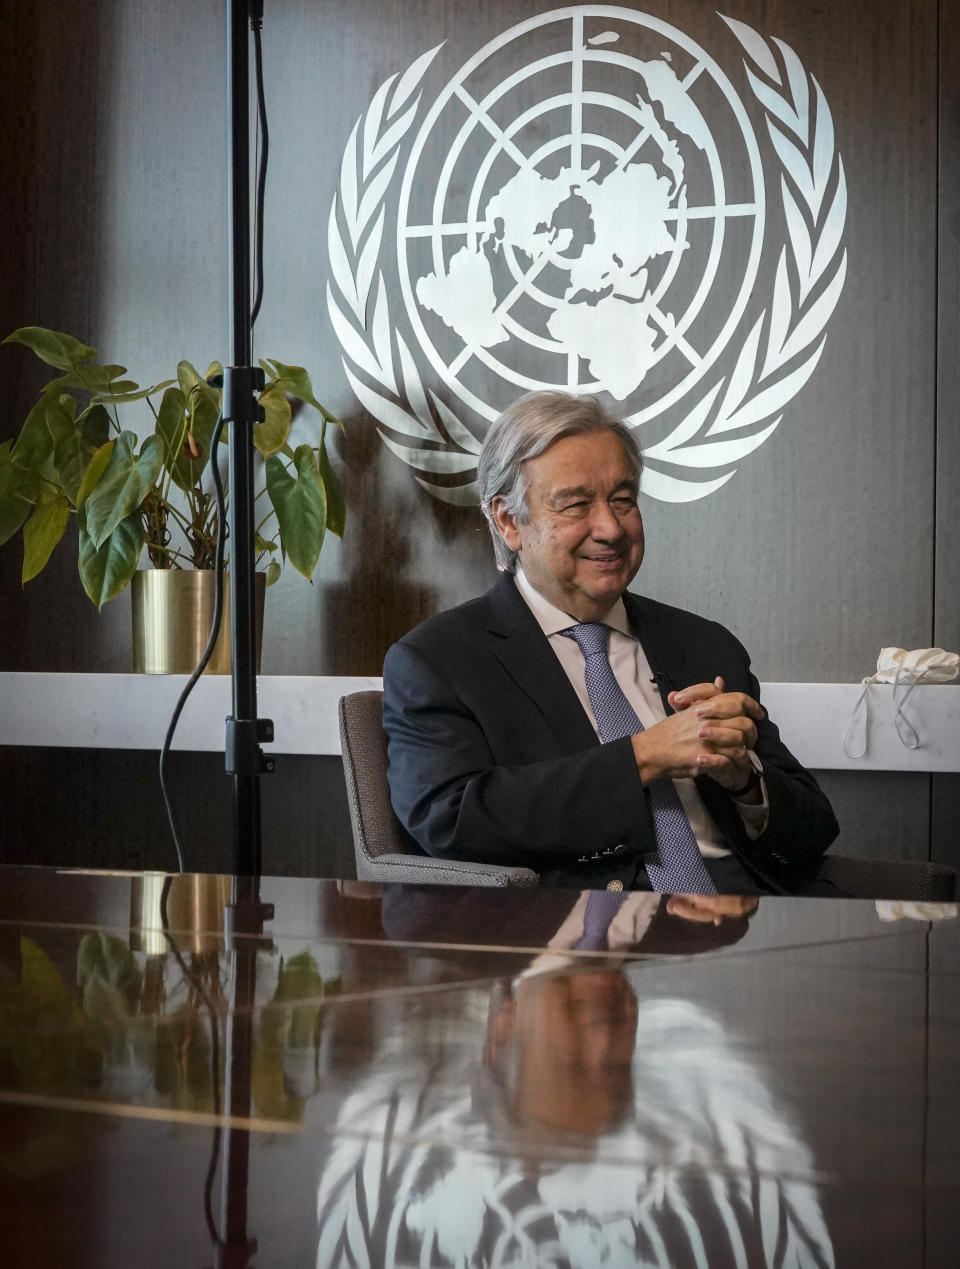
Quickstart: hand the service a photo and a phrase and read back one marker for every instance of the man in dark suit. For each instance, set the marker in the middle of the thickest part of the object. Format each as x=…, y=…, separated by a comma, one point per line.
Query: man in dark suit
x=563, y=723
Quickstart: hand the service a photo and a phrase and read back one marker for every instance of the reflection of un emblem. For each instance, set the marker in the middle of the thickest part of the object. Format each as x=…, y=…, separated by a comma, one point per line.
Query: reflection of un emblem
x=567, y=218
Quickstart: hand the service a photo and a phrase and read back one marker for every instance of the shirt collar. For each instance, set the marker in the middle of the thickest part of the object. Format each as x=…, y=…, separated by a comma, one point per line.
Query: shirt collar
x=552, y=620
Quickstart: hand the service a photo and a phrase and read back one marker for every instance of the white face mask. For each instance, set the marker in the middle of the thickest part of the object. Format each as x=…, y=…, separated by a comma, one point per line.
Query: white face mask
x=905, y=670
x=922, y=665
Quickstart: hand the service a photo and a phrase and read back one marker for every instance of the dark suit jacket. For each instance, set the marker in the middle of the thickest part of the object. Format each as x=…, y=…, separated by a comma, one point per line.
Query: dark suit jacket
x=492, y=757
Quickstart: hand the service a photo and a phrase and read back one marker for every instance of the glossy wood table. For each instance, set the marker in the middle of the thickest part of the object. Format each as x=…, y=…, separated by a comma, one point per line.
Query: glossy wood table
x=440, y=1077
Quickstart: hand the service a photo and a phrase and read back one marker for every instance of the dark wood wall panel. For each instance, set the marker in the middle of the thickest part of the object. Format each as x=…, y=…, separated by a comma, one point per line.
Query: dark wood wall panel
x=945, y=799
x=102, y=808
x=838, y=536
x=946, y=632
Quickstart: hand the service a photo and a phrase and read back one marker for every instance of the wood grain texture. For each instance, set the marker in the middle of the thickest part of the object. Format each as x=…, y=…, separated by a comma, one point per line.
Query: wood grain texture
x=791, y=1072
x=946, y=630
x=103, y=809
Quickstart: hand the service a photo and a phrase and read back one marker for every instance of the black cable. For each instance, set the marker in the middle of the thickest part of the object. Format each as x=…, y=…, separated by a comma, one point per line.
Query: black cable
x=211, y=642
x=256, y=23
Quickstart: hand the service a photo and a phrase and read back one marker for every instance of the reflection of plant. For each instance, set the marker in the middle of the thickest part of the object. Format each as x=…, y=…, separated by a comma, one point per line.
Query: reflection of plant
x=286, y=1054
x=72, y=456
x=134, y=1012
x=47, y=1045
x=177, y=1047
x=130, y=1007
x=109, y=982
x=64, y=1042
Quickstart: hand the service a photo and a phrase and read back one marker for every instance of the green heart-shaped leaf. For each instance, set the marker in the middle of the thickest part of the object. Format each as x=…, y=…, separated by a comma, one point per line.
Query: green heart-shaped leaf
x=95, y=378
x=34, y=446
x=295, y=381
x=271, y=435
x=336, y=502
x=72, y=450
x=17, y=494
x=41, y=533
x=51, y=346
x=172, y=428
x=97, y=466
x=95, y=422
x=105, y=571
x=191, y=381
x=301, y=507
x=125, y=482
x=130, y=392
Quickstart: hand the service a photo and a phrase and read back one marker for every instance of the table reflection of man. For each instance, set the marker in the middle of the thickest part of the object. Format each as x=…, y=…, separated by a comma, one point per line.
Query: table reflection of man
x=493, y=710
x=564, y=1041
x=603, y=1124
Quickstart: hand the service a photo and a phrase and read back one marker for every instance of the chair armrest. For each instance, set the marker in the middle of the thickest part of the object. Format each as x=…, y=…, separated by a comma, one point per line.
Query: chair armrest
x=425, y=870
x=865, y=877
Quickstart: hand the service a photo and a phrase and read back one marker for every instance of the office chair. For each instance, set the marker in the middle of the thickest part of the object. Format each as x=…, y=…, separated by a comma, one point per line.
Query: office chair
x=384, y=852
x=910, y=879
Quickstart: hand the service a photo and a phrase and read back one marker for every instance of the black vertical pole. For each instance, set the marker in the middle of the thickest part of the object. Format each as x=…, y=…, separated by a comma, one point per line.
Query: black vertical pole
x=239, y=408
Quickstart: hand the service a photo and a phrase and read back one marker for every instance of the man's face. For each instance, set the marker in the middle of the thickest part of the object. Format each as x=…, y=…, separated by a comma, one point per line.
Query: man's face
x=583, y=542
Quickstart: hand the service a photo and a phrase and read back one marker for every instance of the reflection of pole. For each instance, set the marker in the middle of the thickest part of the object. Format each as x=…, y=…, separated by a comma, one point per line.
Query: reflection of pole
x=235, y=1249
x=243, y=928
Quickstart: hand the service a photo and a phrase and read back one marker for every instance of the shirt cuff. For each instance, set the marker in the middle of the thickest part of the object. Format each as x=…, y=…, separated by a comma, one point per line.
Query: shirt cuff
x=754, y=815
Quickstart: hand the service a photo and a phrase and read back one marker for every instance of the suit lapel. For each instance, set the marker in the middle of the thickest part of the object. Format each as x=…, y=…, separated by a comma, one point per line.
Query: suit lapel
x=665, y=656
x=524, y=651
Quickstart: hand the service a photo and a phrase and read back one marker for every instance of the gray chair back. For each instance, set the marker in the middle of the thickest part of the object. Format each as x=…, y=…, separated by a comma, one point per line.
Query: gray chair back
x=382, y=849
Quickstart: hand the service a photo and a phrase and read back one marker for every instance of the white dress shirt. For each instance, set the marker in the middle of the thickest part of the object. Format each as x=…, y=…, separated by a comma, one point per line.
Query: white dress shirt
x=632, y=671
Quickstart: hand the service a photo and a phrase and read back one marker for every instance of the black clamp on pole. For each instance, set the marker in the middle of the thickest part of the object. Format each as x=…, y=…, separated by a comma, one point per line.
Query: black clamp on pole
x=244, y=757
x=240, y=386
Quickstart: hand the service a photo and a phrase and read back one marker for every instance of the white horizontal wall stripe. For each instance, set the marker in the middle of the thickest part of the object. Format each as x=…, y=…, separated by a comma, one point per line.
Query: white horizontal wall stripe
x=131, y=711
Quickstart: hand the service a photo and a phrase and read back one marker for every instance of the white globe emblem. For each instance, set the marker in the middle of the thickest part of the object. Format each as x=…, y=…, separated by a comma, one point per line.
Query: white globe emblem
x=565, y=220
x=567, y=240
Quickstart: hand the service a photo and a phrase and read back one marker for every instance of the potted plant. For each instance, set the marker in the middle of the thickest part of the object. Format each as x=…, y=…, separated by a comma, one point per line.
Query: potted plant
x=132, y=465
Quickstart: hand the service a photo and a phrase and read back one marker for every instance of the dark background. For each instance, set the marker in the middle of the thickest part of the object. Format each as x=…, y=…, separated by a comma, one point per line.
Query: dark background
x=838, y=536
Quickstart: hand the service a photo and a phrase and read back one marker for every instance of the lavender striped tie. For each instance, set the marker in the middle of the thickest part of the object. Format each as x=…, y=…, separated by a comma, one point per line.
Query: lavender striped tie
x=681, y=869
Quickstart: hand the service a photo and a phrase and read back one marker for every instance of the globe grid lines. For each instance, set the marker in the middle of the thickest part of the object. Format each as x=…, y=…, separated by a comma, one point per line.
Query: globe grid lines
x=670, y=331
x=775, y=358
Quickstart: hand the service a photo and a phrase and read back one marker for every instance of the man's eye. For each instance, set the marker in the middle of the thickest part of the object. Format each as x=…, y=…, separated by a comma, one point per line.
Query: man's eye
x=576, y=508
x=624, y=503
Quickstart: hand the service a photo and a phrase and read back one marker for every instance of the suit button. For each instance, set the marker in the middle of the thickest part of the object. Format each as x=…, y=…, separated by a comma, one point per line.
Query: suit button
x=614, y=885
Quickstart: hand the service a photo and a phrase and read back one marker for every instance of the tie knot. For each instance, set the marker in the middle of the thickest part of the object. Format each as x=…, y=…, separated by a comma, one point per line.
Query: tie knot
x=591, y=637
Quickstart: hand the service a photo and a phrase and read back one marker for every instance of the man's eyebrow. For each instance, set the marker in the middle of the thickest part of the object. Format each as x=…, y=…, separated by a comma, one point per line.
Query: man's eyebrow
x=574, y=491
x=584, y=491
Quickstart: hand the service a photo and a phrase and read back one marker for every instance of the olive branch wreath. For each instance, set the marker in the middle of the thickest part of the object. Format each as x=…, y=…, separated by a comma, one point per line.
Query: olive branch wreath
x=733, y=418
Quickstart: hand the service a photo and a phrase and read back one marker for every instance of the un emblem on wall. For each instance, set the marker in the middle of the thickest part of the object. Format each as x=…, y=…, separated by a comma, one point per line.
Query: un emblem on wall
x=584, y=206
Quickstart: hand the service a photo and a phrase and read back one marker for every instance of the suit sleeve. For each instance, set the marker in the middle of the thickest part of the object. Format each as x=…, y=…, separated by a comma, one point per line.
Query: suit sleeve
x=458, y=799
x=800, y=824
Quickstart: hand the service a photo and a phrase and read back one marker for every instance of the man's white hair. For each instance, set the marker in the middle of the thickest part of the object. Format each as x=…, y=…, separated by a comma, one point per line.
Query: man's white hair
x=525, y=430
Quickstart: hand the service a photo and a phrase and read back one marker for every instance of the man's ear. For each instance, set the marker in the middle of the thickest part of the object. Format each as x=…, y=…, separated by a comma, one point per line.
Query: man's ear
x=506, y=523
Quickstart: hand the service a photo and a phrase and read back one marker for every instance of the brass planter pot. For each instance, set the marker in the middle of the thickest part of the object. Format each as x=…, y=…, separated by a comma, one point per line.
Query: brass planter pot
x=172, y=612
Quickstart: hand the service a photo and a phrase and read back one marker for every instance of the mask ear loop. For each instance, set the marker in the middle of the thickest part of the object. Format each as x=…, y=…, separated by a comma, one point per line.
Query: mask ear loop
x=905, y=729
x=860, y=709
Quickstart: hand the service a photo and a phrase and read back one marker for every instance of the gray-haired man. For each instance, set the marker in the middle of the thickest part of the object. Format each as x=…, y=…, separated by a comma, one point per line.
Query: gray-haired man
x=560, y=722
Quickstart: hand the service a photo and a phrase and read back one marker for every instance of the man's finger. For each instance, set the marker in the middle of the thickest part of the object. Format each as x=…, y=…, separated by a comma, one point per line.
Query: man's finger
x=737, y=731
x=695, y=692
x=729, y=705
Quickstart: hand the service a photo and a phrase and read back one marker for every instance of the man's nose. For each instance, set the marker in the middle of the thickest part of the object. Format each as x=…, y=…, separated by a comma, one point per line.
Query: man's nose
x=604, y=523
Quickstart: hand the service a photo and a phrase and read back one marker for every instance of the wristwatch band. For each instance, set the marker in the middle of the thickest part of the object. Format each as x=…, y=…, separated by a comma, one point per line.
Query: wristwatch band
x=756, y=775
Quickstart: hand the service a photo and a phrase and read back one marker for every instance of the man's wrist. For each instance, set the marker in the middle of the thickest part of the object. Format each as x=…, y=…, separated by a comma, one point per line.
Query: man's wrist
x=646, y=766
x=753, y=780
